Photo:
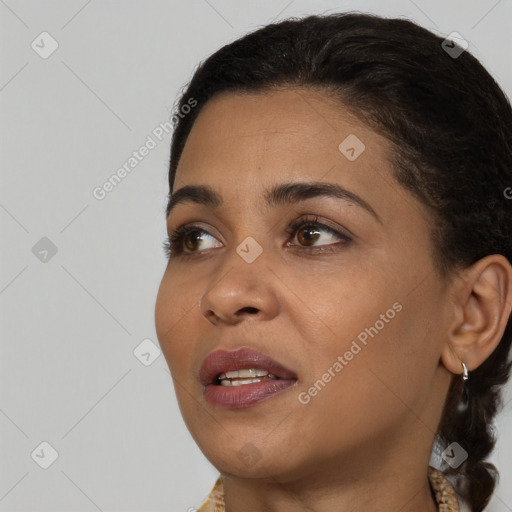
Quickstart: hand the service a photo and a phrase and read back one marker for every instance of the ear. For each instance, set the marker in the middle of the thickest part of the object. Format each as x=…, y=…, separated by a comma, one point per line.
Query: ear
x=482, y=306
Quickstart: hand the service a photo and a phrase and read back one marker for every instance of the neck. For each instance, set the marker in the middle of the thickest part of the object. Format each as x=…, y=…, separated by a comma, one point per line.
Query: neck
x=387, y=487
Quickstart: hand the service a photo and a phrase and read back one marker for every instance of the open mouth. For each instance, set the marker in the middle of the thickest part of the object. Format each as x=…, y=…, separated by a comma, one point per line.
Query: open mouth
x=242, y=378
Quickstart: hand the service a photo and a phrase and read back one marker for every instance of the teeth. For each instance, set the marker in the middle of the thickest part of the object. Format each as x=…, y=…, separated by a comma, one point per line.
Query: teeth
x=241, y=382
x=244, y=374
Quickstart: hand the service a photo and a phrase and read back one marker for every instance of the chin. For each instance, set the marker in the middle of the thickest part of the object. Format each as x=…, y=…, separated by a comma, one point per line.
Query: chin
x=243, y=465
x=244, y=457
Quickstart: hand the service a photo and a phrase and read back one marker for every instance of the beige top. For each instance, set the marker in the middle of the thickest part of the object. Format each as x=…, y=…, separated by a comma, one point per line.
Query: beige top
x=444, y=494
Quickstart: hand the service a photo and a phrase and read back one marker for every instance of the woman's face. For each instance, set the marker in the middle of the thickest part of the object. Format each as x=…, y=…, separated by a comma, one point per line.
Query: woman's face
x=334, y=281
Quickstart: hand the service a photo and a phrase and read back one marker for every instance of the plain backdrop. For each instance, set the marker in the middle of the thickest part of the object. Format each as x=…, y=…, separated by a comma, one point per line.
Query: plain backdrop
x=79, y=275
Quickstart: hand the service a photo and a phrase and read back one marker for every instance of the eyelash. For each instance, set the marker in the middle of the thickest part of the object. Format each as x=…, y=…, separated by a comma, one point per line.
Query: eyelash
x=173, y=244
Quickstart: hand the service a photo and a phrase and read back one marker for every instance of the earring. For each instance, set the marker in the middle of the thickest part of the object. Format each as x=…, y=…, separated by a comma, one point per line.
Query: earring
x=465, y=373
x=463, y=404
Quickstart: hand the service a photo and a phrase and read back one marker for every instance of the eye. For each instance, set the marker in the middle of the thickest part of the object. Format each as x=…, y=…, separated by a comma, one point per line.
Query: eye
x=311, y=233
x=189, y=239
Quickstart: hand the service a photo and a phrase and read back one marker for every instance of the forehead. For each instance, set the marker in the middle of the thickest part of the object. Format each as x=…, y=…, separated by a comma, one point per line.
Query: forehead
x=242, y=144
x=298, y=126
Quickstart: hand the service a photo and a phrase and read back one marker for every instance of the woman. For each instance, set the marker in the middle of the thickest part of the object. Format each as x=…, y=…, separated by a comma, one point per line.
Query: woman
x=336, y=307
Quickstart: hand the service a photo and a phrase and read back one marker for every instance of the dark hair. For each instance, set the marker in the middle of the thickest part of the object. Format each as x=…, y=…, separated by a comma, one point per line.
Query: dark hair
x=449, y=125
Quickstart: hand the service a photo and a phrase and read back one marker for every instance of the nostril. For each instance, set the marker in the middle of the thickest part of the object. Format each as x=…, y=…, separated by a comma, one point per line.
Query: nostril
x=248, y=309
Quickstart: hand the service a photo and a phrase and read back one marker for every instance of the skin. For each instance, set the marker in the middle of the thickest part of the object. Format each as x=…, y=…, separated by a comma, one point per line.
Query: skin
x=364, y=441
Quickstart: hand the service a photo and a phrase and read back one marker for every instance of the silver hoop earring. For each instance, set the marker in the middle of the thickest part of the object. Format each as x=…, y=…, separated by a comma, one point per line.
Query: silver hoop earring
x=465, y=373
x=463, y=404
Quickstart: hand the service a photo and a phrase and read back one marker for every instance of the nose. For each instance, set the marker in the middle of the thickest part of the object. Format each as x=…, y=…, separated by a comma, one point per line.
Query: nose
x=239, y=292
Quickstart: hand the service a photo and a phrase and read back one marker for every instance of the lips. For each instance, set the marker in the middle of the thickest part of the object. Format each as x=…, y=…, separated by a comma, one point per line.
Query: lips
x=222, y=361
x=242, y=393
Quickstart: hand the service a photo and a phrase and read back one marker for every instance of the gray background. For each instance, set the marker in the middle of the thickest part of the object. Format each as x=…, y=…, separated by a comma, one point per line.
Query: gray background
x=71, y=321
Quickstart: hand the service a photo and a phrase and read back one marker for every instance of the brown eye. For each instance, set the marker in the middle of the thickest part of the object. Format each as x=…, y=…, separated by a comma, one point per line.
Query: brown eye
x=192, y=240
x=187, y=240
x=308, y=235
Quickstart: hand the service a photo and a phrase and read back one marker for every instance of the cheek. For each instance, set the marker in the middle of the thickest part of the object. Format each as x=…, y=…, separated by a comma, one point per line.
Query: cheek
x=330, y=309
x=366, y=344
x=175, y=303
x=375, y=388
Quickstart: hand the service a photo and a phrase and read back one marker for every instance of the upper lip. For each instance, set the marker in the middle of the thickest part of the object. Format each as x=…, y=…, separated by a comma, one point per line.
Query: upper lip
x=221, y=361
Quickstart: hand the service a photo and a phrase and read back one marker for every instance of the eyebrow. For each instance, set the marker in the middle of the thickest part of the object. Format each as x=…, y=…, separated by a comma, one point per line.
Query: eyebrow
x=286, y=193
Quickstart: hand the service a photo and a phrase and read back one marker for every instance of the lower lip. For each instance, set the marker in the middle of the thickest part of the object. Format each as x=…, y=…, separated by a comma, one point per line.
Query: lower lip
x=246, y=395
